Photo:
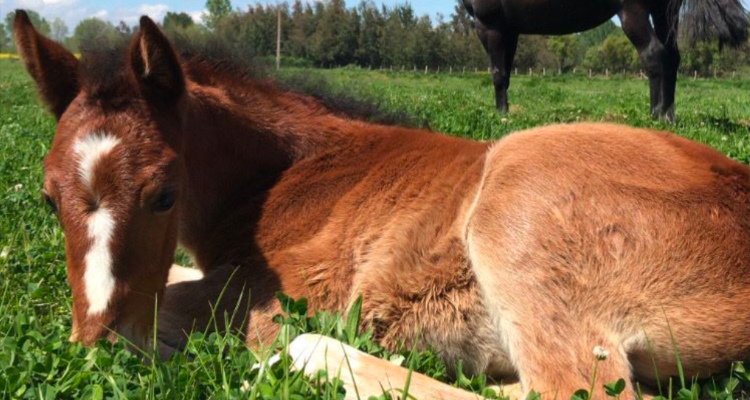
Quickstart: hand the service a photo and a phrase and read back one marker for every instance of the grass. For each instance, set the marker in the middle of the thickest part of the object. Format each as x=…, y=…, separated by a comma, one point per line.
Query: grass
x=37, y=361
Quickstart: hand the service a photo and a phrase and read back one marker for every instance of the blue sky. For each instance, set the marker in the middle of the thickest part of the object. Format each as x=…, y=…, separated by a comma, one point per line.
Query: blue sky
x=72, y=11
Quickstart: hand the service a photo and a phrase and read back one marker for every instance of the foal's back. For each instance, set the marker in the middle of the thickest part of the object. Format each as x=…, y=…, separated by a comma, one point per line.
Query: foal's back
x=600, y=235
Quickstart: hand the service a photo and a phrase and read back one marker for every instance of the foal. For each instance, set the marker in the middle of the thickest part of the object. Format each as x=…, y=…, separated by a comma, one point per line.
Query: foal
x=518, y=257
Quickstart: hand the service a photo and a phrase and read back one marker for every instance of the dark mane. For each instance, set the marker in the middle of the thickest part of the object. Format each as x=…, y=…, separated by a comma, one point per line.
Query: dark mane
x=102, y=75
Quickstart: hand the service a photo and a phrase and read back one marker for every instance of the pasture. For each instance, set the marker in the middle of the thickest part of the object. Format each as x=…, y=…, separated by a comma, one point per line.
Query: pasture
x=37, y=361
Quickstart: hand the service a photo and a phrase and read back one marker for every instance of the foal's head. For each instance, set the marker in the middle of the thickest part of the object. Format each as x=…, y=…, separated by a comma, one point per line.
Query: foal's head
x=112, y=175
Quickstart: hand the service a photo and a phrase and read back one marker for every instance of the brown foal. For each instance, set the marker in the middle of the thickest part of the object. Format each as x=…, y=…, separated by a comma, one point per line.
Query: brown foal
x=517, y=257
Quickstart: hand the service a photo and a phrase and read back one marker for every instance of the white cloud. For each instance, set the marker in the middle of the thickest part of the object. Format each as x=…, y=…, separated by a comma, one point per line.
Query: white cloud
x=131, y=15
x=155, y=11
x=197, y=16
x=44, y=7
x=101, y=14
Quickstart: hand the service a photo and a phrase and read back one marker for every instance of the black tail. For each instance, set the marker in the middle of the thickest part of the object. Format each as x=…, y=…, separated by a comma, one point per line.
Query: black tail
x=726, y=20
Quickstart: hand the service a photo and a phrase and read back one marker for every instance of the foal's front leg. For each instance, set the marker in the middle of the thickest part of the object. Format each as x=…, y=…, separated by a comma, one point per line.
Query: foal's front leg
x=196, y=302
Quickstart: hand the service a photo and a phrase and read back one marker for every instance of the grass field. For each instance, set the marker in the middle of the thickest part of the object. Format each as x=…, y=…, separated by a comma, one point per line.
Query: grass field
x=36, y=360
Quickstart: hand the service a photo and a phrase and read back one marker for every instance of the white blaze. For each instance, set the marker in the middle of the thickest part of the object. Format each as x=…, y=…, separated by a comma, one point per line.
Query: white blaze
x=91, y=149
x=99, y=282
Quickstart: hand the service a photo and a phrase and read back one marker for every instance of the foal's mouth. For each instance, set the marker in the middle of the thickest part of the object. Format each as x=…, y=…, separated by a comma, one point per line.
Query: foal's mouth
x=135, y=336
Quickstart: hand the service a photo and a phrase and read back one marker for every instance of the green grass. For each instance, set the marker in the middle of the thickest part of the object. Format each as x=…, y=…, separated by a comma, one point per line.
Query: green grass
x=36, y=359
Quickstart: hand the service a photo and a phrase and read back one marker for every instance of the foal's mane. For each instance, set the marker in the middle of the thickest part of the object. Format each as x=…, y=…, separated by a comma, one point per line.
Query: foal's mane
x=209, y=62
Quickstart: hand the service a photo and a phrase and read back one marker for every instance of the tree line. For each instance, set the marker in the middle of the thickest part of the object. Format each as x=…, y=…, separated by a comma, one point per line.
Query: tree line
x=330, y=34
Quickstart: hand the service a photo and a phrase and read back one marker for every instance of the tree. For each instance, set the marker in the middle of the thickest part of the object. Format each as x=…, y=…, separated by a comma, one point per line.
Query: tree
x=4, y=39
x=173, y=21
x=58, y=30
x=124, y=30
x=39, y=23
x=297, y=46
x=595, y=37
x=335, y=39
x=217, y=10
x=564, y=48
x=532, y=52
x=615, y=53
x=461, y=21
x=370, y=30
x=92, y=34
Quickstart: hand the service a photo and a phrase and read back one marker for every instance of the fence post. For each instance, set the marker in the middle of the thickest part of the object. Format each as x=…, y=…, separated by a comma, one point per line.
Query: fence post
x=606, y=72
x=544, y=71
x=695, y=74
x=425, y=69
x=516, y=70
x=529, y=71
x=463, y=72
x=589, y=72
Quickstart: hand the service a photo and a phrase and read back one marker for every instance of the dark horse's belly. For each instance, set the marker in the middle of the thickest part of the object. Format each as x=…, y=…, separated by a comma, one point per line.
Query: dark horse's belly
x=546, y=17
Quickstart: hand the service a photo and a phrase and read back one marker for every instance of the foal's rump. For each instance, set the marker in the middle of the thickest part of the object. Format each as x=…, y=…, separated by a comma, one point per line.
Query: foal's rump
x=603, y=235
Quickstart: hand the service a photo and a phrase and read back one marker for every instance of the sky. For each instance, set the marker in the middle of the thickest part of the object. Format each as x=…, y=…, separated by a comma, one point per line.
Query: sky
x=72, y=11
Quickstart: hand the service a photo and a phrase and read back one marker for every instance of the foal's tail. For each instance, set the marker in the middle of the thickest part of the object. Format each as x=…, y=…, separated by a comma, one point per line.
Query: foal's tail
x=708, y=19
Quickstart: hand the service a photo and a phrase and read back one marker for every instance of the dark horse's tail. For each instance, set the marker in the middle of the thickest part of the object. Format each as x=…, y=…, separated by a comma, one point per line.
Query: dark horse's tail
x=726, y=20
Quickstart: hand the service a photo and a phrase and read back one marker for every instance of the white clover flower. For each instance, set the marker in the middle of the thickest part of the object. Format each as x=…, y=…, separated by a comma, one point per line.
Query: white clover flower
x=601, y=353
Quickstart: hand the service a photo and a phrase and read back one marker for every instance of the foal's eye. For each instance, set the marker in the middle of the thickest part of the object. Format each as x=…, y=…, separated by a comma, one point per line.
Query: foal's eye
x=50, y=203
x=165, y=201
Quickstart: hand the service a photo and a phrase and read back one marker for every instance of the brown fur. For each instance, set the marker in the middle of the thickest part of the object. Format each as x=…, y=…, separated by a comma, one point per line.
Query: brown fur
x=580, y=235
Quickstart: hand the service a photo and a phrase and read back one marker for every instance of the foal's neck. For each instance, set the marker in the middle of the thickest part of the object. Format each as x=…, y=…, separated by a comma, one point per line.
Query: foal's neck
x=237, y=146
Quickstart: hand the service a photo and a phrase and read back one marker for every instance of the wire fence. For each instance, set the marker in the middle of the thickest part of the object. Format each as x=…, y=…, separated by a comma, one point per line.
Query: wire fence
x=715, y=73
x=589, y=72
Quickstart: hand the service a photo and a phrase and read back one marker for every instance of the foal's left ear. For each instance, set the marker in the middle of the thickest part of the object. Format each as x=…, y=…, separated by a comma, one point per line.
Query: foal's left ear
x=155, y=65
x=53, y=68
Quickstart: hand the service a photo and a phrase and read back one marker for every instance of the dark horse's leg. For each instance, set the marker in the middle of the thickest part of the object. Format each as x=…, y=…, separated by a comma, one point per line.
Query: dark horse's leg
x=654, y=55
x=501, y=46
x=665, y=23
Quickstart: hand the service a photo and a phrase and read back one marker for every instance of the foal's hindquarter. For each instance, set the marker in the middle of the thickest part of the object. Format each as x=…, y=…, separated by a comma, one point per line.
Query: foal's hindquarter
x=594, y=235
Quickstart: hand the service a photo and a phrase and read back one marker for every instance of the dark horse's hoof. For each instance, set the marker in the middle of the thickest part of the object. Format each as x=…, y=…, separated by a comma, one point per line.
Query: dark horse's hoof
x=666, y=116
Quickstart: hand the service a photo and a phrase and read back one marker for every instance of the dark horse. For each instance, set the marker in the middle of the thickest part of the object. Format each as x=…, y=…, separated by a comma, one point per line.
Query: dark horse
x=650, y=24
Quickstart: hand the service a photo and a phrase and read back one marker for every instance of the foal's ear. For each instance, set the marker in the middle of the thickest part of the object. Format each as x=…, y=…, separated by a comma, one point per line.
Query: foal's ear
x=155, y=65
x=53, y=68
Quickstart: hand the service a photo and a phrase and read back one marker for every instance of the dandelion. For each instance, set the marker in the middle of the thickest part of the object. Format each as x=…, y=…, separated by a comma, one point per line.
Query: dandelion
x=601, y=353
